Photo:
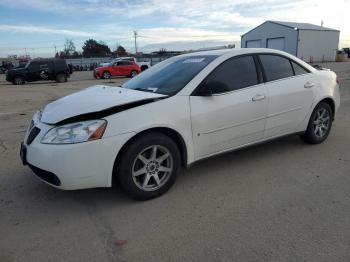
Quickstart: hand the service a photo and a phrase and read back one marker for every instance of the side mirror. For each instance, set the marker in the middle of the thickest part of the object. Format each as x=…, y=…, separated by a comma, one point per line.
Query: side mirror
x=213, y=87
x=205, y=90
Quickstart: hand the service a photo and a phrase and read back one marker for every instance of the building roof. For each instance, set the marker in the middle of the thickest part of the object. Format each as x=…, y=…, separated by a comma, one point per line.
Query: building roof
x=296, y=26
x=303, y=26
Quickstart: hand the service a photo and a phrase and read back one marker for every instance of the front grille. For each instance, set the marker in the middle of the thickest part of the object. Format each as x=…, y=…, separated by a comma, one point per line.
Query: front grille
x=32, y=135
x=31, y=125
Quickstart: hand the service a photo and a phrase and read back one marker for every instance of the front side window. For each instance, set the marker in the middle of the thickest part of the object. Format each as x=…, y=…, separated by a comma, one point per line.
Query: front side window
x=276, y=67
x=171, y=75
x=33, y=66
x=233, y=74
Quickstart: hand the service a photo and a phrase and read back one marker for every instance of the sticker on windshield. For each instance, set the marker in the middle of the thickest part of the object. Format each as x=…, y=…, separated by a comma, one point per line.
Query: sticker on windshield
x=153, y=89
x=193, y=60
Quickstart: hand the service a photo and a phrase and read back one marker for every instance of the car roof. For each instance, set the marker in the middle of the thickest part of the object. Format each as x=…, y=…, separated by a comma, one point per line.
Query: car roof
x=236, y=51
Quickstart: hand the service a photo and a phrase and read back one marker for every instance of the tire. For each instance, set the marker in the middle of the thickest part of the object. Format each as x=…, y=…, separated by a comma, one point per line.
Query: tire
x=144, y=174
x=106, y=75
x=320, y=124
x=133, y=73
x=18, y=80
x=61, y=78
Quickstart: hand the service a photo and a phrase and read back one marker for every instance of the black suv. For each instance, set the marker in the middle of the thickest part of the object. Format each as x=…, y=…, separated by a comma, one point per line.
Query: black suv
x=41, y=69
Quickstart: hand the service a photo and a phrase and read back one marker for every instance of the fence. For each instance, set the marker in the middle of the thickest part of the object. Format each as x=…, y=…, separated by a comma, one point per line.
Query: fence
x=89, y=63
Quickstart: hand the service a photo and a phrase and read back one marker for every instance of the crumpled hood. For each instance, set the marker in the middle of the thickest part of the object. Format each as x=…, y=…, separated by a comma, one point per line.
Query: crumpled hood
x=91, y=100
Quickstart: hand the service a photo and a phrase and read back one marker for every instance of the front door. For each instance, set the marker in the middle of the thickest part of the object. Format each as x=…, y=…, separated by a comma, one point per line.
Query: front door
x=235, y=114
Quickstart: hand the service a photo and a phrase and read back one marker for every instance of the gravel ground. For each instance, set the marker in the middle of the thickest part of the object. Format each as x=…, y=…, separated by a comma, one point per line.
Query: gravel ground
x=280, y=201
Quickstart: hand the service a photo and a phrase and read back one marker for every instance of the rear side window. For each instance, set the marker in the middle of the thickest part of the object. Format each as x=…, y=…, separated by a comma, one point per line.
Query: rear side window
x=298, y=69
x=124, y=63
x=276, y=67
x=234, y=74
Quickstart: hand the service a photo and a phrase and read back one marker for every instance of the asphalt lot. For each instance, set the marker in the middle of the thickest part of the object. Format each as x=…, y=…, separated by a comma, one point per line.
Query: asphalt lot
x=280, y=201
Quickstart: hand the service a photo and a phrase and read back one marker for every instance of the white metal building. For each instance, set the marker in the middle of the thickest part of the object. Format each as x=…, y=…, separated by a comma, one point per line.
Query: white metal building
x=312, y=43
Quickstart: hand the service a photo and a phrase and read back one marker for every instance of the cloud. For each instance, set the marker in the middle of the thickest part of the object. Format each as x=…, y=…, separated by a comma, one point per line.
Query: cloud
x=45, y=30
x=160, y=21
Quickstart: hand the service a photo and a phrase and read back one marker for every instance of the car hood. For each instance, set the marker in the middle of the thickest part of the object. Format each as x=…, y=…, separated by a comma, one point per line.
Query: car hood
x=96, y=101
x=16, y=70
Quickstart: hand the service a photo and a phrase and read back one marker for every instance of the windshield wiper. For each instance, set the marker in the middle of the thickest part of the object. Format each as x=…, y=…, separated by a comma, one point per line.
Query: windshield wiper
x=144, y=90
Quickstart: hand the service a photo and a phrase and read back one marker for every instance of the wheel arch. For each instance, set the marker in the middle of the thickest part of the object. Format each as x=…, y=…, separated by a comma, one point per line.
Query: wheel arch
x=171, y=133
x=330, y=101
x=60, y=72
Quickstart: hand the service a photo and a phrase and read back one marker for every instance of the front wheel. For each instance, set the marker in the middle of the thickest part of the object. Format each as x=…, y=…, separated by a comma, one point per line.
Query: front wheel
x=320, y=124
x=106, y=75
x=149, y=166
x=18, y=80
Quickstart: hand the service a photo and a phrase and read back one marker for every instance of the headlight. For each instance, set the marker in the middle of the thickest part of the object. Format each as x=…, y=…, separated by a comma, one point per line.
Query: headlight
x=75, y=133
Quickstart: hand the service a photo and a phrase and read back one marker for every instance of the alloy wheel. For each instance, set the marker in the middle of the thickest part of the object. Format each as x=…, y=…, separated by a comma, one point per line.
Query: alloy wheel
x=18, y=81
x=321, y=122
x=152, y=168
x=106, y=75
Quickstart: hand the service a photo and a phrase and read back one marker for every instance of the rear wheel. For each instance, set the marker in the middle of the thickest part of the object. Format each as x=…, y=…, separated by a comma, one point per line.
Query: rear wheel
x=106, y=75
x=18, y=80
x=320, y=124
x=61, y=78
x=133, y=74
x=149, y=166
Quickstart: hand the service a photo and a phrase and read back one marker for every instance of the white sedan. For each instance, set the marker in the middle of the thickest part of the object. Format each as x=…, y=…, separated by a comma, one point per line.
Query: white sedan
x=184, y=109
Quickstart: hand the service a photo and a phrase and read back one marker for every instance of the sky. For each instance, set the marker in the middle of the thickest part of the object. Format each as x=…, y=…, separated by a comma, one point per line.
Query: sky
x=36, y=27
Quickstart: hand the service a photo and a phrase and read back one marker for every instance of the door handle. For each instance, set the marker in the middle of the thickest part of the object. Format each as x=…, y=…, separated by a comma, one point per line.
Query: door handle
x=309, y=85
x=258, y=97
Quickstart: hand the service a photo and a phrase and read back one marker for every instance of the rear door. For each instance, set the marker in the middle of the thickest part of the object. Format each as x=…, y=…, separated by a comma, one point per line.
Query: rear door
x=126, y=67
x=116, y=69
x=290, y=89
x=236, y=112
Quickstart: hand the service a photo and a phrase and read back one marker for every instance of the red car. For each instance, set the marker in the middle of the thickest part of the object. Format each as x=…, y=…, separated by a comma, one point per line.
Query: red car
x=119, y=68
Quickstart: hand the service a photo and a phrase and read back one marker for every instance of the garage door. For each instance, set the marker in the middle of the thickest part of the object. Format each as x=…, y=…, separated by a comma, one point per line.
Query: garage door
x=276, y=43
x=253, y=44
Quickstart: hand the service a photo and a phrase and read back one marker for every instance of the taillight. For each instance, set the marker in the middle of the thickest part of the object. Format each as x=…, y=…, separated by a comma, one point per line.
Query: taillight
x=337, y=79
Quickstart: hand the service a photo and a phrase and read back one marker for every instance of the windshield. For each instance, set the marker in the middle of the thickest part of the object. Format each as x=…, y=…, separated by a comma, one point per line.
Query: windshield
x=171, y=75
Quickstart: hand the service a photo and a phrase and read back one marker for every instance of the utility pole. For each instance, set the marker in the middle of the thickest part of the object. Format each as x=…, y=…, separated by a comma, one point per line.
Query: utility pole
x=55, y=51
x=135, y=36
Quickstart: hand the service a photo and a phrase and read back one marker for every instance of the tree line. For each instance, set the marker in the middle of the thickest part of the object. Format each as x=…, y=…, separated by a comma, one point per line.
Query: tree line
x=91, y=48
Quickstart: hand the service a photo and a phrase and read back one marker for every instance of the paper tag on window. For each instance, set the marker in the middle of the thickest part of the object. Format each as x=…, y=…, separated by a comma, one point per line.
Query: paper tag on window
x=193, y=60
x=153, y=89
